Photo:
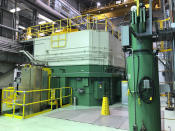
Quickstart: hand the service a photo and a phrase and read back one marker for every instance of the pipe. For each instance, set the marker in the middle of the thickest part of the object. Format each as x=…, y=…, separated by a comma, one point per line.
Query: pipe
x=70, y=6
x=9, y=28
x=46, y=8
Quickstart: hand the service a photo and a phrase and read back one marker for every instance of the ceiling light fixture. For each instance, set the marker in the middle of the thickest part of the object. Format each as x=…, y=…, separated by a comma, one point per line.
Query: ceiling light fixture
x=98, y=4
x=118, y=2
x=42, y=22
x=44, y=18
x=21, y=27
x=15, y=10
x=41, y=34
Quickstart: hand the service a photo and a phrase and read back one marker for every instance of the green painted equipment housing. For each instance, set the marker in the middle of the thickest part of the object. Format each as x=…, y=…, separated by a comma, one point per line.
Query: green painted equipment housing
x=91, y=62
x=89, y=83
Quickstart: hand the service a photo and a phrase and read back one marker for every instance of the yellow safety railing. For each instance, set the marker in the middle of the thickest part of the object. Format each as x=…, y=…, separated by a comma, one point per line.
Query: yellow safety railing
x=161, y=27
x=60, y=42
x=83, y=22
x=23, y=105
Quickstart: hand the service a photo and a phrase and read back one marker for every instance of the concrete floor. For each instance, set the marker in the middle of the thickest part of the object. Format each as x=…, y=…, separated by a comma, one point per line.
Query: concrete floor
x=118, y=117
x=167, y=117
x=46, y=123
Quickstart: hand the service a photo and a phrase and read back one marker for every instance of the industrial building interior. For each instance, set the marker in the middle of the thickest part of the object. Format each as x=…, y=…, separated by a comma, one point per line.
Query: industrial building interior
x=91, y=65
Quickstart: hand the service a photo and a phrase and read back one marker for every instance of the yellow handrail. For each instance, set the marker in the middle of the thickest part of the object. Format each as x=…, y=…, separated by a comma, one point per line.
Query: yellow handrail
x=50, y=100
x=67, y=25
x=161, y=27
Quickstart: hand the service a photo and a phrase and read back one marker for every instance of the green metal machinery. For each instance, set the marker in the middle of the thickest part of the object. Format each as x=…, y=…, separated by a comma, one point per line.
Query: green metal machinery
x=142, y=74
x=92, y=63
x=89, y=82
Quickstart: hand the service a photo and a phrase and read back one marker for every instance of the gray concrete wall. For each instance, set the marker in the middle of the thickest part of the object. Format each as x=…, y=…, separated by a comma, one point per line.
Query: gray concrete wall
x=6, y=74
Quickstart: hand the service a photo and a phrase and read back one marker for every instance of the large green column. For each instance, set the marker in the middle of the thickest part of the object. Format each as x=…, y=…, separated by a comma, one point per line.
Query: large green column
x=142, y=70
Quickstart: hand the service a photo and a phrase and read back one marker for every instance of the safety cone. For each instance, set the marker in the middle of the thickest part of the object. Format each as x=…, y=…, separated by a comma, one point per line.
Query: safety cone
x=105, y=107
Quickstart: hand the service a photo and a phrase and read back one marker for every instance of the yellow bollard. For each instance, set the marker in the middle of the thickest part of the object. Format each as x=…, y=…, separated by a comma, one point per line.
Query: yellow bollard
x=105, y=107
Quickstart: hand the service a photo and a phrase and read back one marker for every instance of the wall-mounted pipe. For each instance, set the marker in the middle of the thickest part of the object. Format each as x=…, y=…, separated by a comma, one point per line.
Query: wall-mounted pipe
x=4, y=26
x=71, y=7
x=46, y=8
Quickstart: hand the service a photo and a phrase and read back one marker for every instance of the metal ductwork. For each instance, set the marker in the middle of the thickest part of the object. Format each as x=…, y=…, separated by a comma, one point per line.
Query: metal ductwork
x=65, y=3
x=48, y=9
x=39, y=5
x=10, y=28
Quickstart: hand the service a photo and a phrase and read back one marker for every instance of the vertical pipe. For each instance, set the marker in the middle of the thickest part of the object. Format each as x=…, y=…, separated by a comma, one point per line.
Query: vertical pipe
x=75, y=99
x=15, y=19
x=173, y=68
x=150, y=16
x=133, y=67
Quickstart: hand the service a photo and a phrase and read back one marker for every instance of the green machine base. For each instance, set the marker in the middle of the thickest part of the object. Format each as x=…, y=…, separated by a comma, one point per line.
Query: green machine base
x=89, y=82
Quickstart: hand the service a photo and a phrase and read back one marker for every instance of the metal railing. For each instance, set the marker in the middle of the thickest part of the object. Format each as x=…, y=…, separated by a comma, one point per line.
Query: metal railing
x=161, y=24
x=83, y=22
x=21, y=104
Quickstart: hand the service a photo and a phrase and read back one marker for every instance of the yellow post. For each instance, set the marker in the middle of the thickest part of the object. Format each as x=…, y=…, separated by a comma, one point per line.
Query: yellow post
x=67, y=25
x=24, y=101
x=87, y=22
x=162, y=42
x=105, y=107
x=38, y=34
x=169, y=100
x=71, y=97
x=49, y=71
x=61, y=99
x=161, y=25
x=106, y=25
x=138, y=4
x=51, y=99
x=29, y=32
x=70, y=26
x=14, y=102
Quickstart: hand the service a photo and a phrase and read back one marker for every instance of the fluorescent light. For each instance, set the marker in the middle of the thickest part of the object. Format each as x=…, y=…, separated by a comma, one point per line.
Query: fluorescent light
x=29, y=37
x=98, y=4
x=41, y=34
x=44, y=18
x=42, y=22
x=21, y=27
x=118, y=2
x=58, y=30
x=13, y=10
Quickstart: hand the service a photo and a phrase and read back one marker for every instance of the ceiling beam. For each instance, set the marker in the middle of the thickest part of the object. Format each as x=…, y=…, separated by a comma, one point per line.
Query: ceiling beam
x=116, y=10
